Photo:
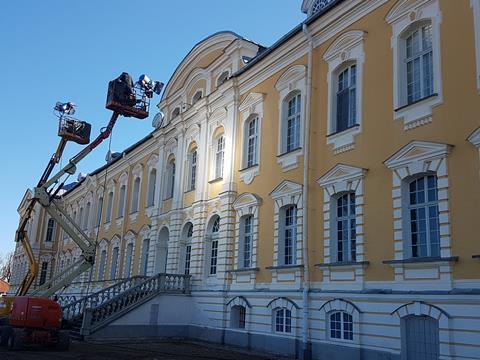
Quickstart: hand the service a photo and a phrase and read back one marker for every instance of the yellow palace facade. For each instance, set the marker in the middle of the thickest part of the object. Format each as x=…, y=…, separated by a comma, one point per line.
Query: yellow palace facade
x=322, y=193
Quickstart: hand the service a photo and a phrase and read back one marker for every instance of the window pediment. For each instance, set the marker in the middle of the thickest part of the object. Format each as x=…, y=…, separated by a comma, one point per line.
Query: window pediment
x=417, y=151
x=252, y=104
x=247, y=199
x=290, y=78
x=343, y=45
x=339, y=173
x=286, y=188
x=402, y=8
x=474, y=138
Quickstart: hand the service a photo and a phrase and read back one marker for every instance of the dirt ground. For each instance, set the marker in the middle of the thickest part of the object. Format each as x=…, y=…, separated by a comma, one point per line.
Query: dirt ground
x=136, y=350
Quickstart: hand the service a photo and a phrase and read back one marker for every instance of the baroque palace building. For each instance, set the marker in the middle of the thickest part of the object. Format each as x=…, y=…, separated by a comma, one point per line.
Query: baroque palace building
x=322, y=192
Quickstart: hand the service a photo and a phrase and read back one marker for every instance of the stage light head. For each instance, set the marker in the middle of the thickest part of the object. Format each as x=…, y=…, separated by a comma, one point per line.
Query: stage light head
x=67, y=108
x=157, y=87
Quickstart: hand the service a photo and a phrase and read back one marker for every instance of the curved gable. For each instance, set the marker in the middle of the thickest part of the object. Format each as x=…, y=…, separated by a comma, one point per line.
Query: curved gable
x=200, y=57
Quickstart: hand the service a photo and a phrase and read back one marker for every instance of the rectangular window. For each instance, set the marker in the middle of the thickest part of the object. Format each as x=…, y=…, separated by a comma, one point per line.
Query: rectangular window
x=219, y=157
x=242, y=313
x=213, y=257
x=341, y=326
x=290, y=235
x=121, y=202
x=346, y=228
x=252, y=142
x=247, y=241
x=108, y=217
x=193, y=170
x=43, y=273
x=99, y=211
x=144, y=262
x=113, y=268
x=293, y=123
x=188, y=255
x=101, y=269
x=136, y=195
x=419, y=64
x=151, y=187
x=128, y=261
x=50, y=230
x=346, y=99
x=424, y=222
x=283, y=320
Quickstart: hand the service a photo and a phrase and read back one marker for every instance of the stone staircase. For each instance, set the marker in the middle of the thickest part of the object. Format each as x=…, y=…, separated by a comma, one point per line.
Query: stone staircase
x=92, y=312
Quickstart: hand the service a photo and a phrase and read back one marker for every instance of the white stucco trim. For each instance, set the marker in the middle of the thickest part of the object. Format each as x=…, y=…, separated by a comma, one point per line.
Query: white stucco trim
x=475, y=4
x=347, y=48
x=294, y=79
x=403, y=16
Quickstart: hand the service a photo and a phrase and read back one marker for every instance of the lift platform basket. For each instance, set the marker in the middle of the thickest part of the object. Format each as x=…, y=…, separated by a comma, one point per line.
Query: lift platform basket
x=127, y=100
x=75, y=130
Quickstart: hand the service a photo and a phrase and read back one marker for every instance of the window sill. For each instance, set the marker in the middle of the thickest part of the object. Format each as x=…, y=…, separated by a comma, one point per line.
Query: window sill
x=168, y=198
x=336, y=133
x=289, y=160
x=284, y=267
x=424, y=99
x=422, y=260
x=248, y=174
x=188, y=191
x=418, y=113
x=218, y=179
x=344, y=264
x=245, y=270
x=344, y=140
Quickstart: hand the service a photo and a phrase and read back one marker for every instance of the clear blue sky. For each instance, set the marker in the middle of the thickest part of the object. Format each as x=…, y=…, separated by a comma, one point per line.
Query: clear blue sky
x=55, y=50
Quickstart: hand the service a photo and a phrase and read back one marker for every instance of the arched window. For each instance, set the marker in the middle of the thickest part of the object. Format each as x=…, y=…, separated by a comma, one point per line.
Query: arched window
x=152, y=179
x=219, y=156
x=346, y=98
x=222, y=78
x=121, y=201
x=283, y=320
x=291, y=122
x=198, y=95
x=418, y=60
x=251, y=142
x=238, y=316
x=170, y=183
x=345, y=227
x=341, y=325
x=423, y=213
x=108, y=216
x=135, y=195
x=192, y=173
x=50, y=230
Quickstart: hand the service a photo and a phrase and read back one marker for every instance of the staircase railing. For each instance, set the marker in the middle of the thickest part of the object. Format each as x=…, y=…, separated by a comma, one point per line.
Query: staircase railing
x=99, y=316
x=74, y=309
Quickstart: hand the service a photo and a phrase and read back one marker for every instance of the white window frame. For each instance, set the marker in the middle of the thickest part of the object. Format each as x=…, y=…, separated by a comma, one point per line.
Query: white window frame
x=129, y=240
x=404, y=17
x=293, y=81
x=170, y=174
x=339, y=180
x=193, y=164
x=152, y=184
x=219, y=156
x=343, y=306
x=136, y=191
x=52, y=231
x=236, y=302
x=475, y=4
x=211, y=237
x=251, y=106
x=414, y=159
x=348, y=251
x=114, y=261
x=286, y=304
x=346, y=50
x=109, y=209
x=185, y=244
x=342, y=324
x=122, y=199
x=293, y=228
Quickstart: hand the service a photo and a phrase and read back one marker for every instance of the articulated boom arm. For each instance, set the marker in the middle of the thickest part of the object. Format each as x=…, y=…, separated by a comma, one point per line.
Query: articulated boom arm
x=45, y=193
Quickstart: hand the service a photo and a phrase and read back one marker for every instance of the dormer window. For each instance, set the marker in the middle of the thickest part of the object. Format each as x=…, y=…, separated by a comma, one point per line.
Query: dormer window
x=175, y=112
x=222, y=78
x=198, y=95
x=319, y=5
